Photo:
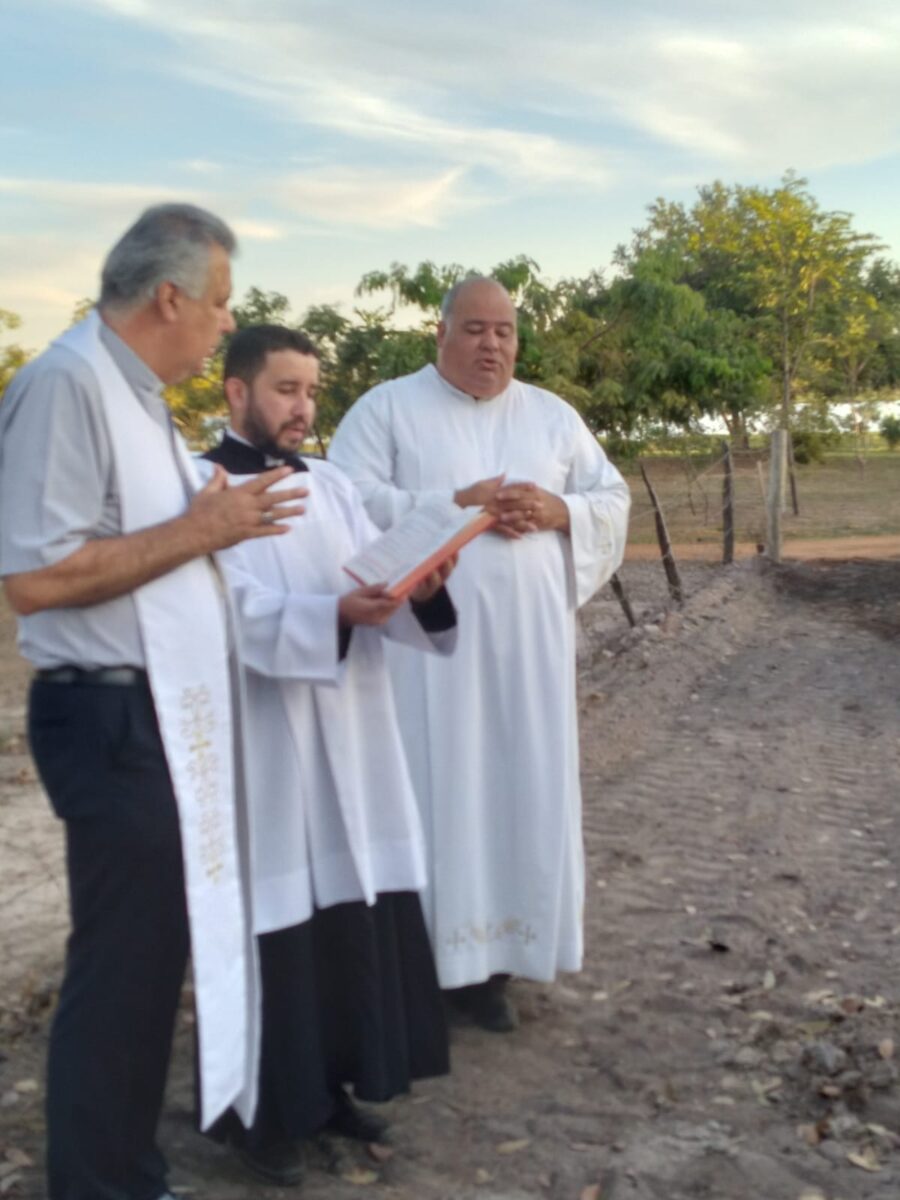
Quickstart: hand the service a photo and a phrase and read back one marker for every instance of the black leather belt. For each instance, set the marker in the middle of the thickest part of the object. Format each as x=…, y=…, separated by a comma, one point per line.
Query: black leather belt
x=116, y=676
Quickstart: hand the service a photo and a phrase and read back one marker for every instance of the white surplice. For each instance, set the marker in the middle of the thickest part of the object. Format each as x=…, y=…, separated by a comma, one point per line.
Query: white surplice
x=333, y=813
x=491, y=734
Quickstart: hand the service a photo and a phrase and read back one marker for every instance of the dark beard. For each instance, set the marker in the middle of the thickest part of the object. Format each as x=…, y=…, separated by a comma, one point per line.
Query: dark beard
x=259, y=437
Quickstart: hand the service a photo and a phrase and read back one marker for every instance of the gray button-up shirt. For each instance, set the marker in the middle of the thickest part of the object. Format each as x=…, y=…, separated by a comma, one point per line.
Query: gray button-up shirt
x=58, y=490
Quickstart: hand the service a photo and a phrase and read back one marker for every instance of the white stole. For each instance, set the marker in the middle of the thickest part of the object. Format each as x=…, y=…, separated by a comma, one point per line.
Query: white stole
x=183, y=628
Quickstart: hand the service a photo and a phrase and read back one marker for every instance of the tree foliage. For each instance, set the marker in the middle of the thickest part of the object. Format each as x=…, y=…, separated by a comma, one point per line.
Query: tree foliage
x=750, y=306
x=12, y=355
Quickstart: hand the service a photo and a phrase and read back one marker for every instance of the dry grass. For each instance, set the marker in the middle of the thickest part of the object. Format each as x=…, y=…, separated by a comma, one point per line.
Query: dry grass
x=838, y=498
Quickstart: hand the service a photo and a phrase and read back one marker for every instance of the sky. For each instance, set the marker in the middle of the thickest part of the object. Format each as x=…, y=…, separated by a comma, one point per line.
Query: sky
x=338, y=138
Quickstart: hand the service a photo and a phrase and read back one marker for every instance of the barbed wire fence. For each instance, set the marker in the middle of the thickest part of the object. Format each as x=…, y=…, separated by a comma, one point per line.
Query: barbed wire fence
x=719, y=501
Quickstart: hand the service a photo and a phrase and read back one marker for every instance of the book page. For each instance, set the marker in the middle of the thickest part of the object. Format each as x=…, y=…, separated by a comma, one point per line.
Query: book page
x=414, y=539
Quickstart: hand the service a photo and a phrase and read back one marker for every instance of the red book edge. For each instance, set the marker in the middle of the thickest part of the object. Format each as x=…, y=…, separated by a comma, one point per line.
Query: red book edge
x=401, y=589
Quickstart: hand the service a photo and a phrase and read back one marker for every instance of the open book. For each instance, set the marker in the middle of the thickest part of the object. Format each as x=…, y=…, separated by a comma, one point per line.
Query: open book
x=417, y=545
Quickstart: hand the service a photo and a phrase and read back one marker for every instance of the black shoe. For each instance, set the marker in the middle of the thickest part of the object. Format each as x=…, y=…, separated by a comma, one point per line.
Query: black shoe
x=351, y=1121
x=281, y=1162
x=490, y=1007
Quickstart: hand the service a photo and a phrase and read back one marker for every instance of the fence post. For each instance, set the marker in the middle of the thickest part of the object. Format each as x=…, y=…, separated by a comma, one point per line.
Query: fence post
x=619, y=592
x=777, y=463
x=665, y=546
x=727, y=505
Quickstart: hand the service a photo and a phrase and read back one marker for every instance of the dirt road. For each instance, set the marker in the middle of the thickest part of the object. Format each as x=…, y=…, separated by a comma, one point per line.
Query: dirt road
x=732, y=1034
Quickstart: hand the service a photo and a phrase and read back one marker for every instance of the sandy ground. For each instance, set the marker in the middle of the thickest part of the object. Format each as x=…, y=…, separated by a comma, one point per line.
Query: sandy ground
x=732, y=1033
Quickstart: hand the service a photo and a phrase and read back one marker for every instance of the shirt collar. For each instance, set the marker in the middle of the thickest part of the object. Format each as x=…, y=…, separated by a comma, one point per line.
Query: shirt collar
x=270, y=461
x=137, y=374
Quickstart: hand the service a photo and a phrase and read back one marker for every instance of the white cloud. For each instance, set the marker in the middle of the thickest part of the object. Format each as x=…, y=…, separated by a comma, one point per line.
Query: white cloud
x=256, y=231
x=734, y=86
x=375, y=199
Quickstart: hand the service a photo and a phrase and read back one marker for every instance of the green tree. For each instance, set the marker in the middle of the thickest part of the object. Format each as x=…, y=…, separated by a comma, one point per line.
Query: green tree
x=772, y=257
x=12, y=355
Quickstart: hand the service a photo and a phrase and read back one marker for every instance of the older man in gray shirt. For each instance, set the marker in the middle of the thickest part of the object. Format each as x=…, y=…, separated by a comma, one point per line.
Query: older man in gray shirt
x=104, y=551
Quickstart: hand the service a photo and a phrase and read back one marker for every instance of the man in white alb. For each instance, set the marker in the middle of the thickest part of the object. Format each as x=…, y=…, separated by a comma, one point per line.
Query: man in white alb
x=491, y=734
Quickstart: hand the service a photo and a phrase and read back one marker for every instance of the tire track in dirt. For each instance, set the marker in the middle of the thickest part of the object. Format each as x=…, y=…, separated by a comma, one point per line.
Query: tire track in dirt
x=747, y=856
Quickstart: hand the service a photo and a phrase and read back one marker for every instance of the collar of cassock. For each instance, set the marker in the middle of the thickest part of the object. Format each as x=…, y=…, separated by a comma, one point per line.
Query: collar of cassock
x=250, y=460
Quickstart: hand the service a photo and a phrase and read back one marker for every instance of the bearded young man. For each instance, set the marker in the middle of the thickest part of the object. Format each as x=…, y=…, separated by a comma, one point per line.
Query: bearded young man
x=106, y=540
x=350, y=995
x=492, y=734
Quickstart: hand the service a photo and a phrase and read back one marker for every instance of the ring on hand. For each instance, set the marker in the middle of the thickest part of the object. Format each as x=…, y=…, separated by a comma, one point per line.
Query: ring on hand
x=267, y=518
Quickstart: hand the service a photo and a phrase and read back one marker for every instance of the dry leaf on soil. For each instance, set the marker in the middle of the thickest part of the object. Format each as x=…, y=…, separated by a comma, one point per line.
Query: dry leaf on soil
x=867, y=1159
x=18, y=1157
x=360, y=1176
x=513, y=1147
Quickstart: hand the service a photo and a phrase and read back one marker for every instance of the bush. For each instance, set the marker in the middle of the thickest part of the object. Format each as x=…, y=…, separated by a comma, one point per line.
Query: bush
x=890, y=431
x=810, y=444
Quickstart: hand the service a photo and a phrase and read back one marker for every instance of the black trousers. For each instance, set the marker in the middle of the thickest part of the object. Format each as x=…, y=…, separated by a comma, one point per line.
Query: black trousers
x=100, y=757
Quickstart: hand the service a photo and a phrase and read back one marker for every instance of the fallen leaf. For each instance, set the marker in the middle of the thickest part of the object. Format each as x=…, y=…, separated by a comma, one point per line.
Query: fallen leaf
x=815, y=1028
x=483, y=1176
x=8, y=1182
x=18, y=1157
x=361, y=1176
x=886, y=1048
x=810, y=1135
x=765, y=1089
x=26, y=1085
x=867, y=1159
x=379, y=1152
x=591, y=1192
x=513, y=1147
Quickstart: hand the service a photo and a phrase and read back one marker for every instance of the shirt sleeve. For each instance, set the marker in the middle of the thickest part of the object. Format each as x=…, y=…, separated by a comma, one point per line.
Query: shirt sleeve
x=364, y=449
x=55, y=468
x=598, y=501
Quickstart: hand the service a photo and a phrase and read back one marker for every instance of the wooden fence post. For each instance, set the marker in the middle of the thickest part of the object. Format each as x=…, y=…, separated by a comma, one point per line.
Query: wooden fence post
x=727, y=504
x=777, y=464
x=619, y=592
x=665, y=546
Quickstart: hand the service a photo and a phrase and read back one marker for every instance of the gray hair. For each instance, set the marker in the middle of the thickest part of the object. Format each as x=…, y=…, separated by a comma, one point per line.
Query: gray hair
x=169, y=243
x=461, y=285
